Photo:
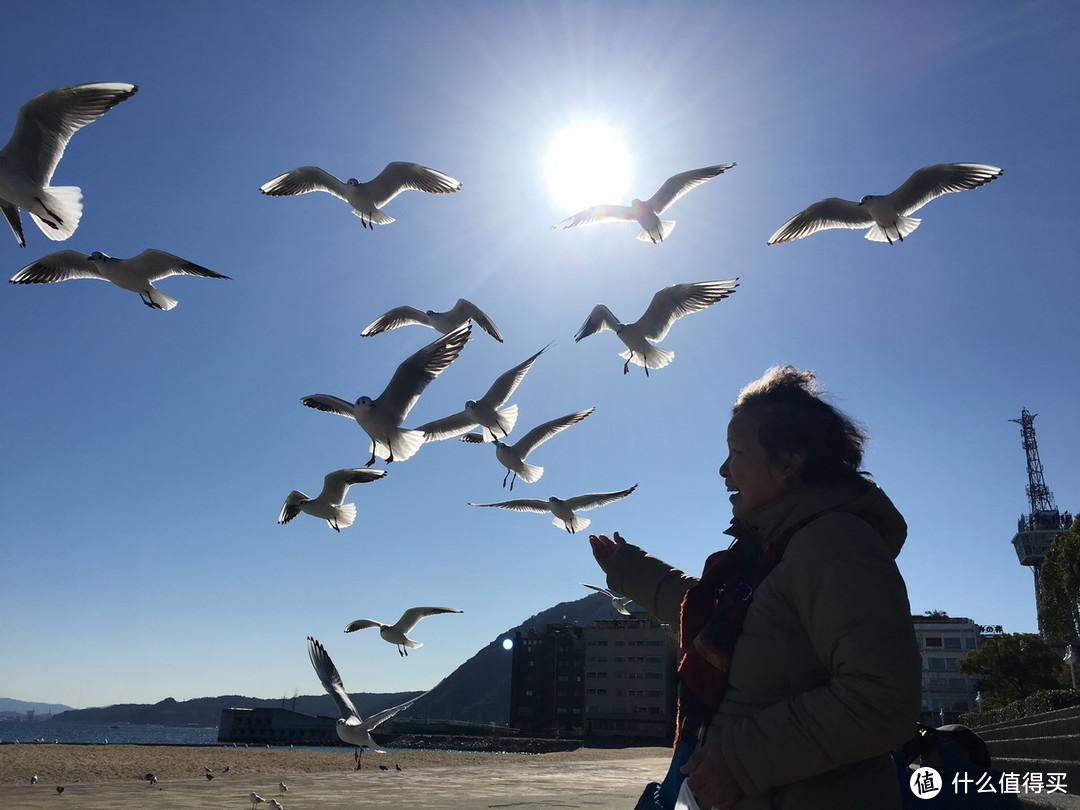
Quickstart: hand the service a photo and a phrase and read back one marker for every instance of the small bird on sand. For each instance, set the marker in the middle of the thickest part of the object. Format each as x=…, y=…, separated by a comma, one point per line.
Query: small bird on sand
x=381, y=417
x=666, y=307
x=563, y=510
x=328, y=504
x=136, y=274
x=59, y=789
x=396, y=633
x=512, y=456
x=27, y=162
x=350, y=727
x=33, y=779
x=887, y=215
x=617, y=602
x=645, y=213
x=282, y=788
x=256, y=799
x=446, y=322
x=365, y=198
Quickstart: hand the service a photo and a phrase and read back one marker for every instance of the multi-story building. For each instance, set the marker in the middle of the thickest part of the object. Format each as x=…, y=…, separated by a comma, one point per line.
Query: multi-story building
x=546, y=693
x=943, y=642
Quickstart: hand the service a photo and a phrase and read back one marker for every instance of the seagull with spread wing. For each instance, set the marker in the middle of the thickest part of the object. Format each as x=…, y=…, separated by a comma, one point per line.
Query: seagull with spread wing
x=486, y=412
x=563, y=510
x=396, y=633
x=512, y=456
x=136, y=274
x=329, y=504
x=461, y=313
x=367, y=198
x=617, y=602
x=887, y=215
x=646, y=213
x=27, y=162
x=351, y=728
x=381, y=417
x=666, y=307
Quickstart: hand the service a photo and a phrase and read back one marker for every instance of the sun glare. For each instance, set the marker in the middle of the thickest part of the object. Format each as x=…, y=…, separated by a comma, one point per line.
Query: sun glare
x=588, y=164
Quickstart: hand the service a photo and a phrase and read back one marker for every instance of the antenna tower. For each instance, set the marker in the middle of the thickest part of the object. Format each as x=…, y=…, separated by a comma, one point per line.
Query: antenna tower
x=1039, y=496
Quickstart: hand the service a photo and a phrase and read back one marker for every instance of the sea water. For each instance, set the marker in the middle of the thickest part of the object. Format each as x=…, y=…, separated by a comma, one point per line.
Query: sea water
x=59, y=731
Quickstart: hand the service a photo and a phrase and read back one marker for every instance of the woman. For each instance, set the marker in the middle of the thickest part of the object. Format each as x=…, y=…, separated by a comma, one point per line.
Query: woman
x=799, y=668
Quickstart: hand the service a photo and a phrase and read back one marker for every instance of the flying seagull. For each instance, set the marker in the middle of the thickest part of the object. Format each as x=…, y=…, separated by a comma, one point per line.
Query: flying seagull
x=512, y=456
x=666, y=307
x=27, y=162
x=653, y=229
x=381, y=417
x=365, y=198
x=136, y=274
x=563, y=510
x=396, y=633
x=617, y=602
x=329, y=504
x=350, y=727
x=887, y=215
x=485, y=411
x=446, y=322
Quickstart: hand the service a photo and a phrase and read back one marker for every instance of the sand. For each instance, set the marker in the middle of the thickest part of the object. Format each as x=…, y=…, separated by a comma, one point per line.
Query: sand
x=112, y=776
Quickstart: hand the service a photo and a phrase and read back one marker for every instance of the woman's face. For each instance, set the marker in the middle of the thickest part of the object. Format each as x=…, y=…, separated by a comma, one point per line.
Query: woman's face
x=749, y=474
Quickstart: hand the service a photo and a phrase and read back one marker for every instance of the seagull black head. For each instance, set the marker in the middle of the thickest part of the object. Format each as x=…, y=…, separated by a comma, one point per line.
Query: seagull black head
x=366, y=400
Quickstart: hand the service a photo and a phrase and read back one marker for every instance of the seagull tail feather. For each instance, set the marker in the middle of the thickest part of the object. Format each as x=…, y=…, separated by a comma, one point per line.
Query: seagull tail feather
x=405, y=444
x=655, y=357
x=665, y=227
x=575, y=524
x=530, y=473
x=344, y=515
x=65, y=203
x=160, y=299
x=901, y=228
x=375, y=217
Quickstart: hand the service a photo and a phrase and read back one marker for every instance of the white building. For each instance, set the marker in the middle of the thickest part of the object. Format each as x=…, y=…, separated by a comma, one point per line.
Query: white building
x=943, y=642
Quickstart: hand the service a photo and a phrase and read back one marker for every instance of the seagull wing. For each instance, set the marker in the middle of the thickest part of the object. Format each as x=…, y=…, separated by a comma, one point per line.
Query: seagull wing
x=541, y=433
x=466, y=310
x=671, y=303
x=400, y=176
x=386, y=714
x=507, y=382
x=582, y=503
x=331, y=681
x=398, y=316
x=303, y=180
x=598, y=588
x=337, y=483
x=291, y=507
x=521, y=505
x=59, y=266
x=599, y=319
x=598, y=213
x=414, y=374
x=329, y=404
x=361, y=624
x=832, y=212
x=47, y=122
x=411, y=616
x=674, y=187
x=446, y=428
x=14, y=220
x=157, y=264
x=941, y=178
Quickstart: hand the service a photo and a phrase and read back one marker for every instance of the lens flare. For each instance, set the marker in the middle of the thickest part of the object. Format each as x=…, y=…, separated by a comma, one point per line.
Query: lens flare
x=588, y=164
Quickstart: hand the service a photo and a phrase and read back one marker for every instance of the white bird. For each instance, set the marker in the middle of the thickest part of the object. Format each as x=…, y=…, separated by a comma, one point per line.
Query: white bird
x=396, y=633
x=563, y=510
x=645, y=213
x=282, y=788
x=350, y=727
x=255, y=799
x=33, y=779
x=381, y=417
x=512, y=456
x=617, y=602
x=329, y=504
x=365, y=198
x=27, y=162
x=276, y=805
x=485, y=411
x=446, y=322
x=666, y=307
x=887, y=215
x=136, y=274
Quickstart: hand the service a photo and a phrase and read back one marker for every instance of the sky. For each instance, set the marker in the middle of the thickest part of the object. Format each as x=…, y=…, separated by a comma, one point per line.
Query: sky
x=145, y=455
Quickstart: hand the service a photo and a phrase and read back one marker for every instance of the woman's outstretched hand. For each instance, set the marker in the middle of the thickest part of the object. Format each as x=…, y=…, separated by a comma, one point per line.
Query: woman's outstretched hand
x=604, y=548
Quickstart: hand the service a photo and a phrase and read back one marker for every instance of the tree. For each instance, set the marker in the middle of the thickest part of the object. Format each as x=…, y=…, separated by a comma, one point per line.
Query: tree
x=1059, y=586
x=1013, y=666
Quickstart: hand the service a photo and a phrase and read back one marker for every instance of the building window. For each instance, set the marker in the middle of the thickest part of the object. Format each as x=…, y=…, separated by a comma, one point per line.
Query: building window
x=933, y=642
x=952, y=643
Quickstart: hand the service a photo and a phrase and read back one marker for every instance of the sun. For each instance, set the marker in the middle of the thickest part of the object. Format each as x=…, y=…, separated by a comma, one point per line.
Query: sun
x=588, y=164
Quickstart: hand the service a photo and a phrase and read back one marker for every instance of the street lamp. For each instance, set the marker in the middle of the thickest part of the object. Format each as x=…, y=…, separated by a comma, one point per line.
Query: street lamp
x=1070, y=659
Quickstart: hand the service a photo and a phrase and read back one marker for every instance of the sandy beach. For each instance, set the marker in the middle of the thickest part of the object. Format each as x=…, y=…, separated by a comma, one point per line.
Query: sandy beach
x=112, y=776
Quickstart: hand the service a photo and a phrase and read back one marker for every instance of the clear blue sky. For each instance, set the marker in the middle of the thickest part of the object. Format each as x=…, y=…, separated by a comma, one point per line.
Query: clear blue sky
x=145, y=454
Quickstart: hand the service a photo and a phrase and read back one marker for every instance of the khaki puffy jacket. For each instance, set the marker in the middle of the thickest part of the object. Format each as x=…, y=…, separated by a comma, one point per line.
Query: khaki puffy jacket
x=825, y=676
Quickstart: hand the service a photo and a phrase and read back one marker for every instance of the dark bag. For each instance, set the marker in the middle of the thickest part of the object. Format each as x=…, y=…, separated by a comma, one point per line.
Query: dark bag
x=662, y=796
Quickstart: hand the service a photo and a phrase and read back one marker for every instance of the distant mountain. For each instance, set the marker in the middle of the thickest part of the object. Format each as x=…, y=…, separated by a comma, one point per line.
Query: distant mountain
x=21, y=707
x=477, y=691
